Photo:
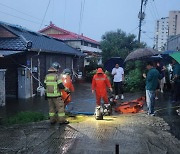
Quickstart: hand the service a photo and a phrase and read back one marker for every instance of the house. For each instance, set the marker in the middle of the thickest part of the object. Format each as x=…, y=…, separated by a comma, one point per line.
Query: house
x=89, y=47
x=27, y=55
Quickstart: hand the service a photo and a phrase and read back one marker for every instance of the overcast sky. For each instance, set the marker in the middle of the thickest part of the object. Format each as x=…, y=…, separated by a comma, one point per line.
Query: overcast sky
x=91, y=17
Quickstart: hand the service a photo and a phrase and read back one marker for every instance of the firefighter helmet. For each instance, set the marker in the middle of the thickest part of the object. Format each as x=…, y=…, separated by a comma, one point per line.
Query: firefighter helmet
x=56, y=65
x=67, y=71
x=52, y=69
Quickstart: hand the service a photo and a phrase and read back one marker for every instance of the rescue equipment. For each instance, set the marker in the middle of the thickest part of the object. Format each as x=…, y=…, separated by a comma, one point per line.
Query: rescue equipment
x=99, y=113
x=107, y=110
x=133, y=106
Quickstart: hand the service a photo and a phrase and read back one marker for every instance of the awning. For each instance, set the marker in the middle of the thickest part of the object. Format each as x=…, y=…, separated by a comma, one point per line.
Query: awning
x=8, y=53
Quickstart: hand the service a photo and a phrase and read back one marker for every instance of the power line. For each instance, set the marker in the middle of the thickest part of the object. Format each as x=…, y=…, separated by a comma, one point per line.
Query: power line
x=81, y=15
x=134, y=29
x=19, y=11
x=64, y=14
x=19, y=17
x=45, y=14
x=154, y=12
x=156, y=9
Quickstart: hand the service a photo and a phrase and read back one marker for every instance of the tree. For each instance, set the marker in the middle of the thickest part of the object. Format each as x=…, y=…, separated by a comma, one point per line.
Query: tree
x=118, y=44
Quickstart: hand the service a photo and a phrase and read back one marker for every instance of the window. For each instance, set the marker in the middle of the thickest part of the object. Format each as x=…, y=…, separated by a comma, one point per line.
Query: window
x=94, y=45
x=85, y=43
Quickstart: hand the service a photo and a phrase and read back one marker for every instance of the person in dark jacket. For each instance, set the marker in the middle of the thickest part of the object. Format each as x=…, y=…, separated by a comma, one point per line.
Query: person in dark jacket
x=176, y=80
x=152, y=79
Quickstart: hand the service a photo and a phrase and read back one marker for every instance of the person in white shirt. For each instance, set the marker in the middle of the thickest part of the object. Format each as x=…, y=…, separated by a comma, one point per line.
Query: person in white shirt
x=118, y=73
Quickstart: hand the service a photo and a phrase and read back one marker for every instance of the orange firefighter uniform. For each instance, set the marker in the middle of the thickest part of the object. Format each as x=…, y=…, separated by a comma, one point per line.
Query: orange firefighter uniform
x=53, y=84
x=100, y=83
x=67, y=82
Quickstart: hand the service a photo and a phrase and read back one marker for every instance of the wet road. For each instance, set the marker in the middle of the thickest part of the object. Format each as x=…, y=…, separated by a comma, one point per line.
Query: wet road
x=84, y=102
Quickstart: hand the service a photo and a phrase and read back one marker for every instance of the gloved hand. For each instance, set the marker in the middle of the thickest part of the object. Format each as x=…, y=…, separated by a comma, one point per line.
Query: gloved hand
x=67, y=90
x=111, y=89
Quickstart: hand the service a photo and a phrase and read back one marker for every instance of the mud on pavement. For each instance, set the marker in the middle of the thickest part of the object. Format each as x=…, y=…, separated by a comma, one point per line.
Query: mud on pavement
x=136, y=133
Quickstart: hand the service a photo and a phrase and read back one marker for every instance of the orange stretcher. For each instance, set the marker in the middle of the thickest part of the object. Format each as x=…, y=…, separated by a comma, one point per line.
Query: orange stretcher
x=133, y=106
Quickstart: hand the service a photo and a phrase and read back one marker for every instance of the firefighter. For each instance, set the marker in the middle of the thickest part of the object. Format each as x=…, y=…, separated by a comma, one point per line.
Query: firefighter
x=53, y=85
x=66, y=79
x=100, y=83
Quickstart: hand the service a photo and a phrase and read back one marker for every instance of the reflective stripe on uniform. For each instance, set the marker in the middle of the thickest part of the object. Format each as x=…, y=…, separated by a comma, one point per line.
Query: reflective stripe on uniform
x=51, y=78
x=51, y=114
x=62, y=114
x=53, y=95
x=59, y=81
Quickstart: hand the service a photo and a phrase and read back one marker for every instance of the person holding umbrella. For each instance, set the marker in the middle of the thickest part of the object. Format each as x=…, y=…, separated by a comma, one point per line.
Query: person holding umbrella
x=118, y=73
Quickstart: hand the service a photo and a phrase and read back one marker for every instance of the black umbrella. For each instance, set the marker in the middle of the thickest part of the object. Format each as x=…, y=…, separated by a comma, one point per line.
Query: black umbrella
x=110, y=64
x=141, y=53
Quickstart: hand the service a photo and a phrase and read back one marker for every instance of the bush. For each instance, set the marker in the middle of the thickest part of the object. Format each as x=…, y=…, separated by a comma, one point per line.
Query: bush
x=134, y=81
x=25, y=117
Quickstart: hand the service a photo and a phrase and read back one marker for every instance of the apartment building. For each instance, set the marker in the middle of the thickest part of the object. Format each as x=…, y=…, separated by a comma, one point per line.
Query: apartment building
x=174, y=23
x=161, y=33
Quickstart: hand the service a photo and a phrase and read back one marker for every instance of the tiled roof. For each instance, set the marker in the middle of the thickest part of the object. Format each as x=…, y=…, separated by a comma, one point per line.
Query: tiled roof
x=67, y=35
x=12, y=44
x=39, y=41
x=7, y=53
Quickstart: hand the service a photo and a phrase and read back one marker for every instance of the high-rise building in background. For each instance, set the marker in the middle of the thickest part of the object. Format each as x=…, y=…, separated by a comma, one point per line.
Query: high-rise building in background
x=174, y=23
x=165, y=30
x=161, y=34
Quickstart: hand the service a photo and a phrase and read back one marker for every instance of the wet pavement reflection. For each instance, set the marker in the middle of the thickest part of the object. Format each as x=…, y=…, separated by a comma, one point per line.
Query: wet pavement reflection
x=83, y=101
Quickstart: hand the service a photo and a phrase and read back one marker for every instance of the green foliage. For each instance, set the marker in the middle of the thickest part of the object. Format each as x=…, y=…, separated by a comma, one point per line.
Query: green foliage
x=25, y=117
x=134, y=81
x=118, y=44
x=90, y=69
x=89, y=75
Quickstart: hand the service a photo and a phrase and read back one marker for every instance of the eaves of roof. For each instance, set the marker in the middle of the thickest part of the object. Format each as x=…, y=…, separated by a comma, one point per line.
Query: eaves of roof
x=9, y=52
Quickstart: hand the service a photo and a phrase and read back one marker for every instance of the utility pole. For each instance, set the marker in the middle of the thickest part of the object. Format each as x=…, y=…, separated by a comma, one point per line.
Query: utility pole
x=141, y=17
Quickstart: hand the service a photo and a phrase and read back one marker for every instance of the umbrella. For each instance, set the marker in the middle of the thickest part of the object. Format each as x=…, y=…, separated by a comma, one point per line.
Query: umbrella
x=176, y=56
x=166, y=55
x=110, y=64
x=167, y=52
x=141, y=53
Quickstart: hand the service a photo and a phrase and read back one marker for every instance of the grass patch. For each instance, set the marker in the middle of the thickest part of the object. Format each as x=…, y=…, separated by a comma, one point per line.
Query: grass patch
x=25, y=117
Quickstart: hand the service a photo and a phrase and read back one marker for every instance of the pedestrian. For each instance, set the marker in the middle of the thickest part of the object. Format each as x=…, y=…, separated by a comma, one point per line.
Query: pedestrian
x=118, y=73
x=152, y=78
x=100, y=83
x=53, y=84
x=161, y=68
x=176, y=80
